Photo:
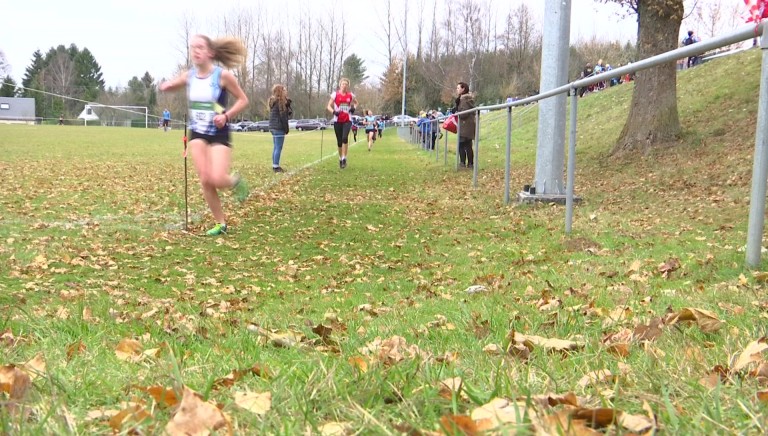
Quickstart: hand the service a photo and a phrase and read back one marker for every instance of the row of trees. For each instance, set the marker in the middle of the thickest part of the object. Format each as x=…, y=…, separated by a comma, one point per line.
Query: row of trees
x=309, y=52
x=62, y=71
x=454, y=40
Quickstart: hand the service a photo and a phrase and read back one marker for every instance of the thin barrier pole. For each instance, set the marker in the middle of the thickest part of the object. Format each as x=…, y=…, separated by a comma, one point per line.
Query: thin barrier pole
x=458, y=141
x=508, y=162
x=186, y=195
x=435, y=144
x=571, y=177
x=477, y=149
x=445, y=150
x=760, y=166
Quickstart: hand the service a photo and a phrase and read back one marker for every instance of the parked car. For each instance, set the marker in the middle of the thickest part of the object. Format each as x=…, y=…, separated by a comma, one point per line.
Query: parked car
x=403, y=119
x=240, y=126
x=310, y=125
x=259, y=126
x=292, y=124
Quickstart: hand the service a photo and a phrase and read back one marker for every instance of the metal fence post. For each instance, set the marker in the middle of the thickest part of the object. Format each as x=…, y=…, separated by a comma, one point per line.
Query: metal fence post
x=445, y=150
x=435, y=144
x=571, y=162
x=458, y=140
x=760, y=166
x=477, y=149
x=508, y=162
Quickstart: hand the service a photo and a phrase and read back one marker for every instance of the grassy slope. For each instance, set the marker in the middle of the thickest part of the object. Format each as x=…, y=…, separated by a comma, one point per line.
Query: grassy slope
x=90, y=251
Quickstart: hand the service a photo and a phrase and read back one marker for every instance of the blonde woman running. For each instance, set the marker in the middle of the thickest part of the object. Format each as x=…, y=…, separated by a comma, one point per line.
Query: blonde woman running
x=207, y=87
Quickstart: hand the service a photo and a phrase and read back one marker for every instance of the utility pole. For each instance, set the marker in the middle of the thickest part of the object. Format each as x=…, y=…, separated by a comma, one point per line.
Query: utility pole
x=550, y=150
x=405, y=53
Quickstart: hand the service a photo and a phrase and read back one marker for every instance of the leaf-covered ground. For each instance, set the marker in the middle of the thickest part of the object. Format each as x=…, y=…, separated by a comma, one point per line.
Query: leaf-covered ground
x=390, y=297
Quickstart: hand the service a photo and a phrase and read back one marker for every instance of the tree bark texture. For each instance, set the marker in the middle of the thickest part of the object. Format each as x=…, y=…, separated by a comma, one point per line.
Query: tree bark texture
x=653, y=119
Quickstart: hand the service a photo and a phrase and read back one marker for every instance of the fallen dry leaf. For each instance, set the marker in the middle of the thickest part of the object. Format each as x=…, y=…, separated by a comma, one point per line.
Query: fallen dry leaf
x=450, y=387
x=501, y=413
x=603, y=376
x=325, y=334
x=668, y=267
x=75, y=349
x=549, y=344
x=7, y=339
x=752, y=353
x=714, y=377
x=255, y=402
x=359, y=363
x=563, y=423
x=706, y=320
x=458, y=425
x=762, y=396
x=636, y=423
x=520, y=351
x=595, y=418
x=35, y=367
x=196, y=417
x=621, y=350
x=129, y=350
x=130, y=417
x=236, y=374
x=100, y=414
x=617, y=315
x=164, y=397
x=336, y=429
x=552, y=400
x=14, y=382
x=392, y=350
x=648, y=332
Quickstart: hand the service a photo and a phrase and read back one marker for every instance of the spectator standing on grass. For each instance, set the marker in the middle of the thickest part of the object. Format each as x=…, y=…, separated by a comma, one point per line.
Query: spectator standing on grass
x=166, y=119
x=354, y=130
x=465, y=101
x=279, y=112
x=342, y=104
x=207, y=87
x=61, y=120
x=586, y=72
x=688, y=40
x=433, y=129
x=600, y=69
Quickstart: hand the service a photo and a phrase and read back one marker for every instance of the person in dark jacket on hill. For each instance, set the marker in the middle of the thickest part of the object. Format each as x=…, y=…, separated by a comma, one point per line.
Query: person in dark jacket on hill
x=465, y=101
x=279, y=113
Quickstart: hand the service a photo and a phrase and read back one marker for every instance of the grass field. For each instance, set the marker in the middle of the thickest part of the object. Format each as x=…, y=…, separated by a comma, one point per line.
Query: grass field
x=341, y=301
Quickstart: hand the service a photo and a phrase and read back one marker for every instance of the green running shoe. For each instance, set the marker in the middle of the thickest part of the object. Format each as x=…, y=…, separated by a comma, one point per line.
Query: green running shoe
x=218, y=229
x=240, y=188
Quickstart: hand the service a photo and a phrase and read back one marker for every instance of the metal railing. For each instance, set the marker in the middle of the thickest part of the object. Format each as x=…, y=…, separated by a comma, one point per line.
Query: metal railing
x=760, y=163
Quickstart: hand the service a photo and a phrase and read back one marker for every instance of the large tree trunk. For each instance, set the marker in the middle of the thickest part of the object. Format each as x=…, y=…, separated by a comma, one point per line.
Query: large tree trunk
x=653, y=118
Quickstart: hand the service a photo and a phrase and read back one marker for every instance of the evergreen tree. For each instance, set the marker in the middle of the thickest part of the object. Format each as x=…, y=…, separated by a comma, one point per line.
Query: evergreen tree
x=31, y=73
x=8, y=89
x=136, y=92
x=31, y=81
x=354, y=70
x=149, y=90
x=89, y=77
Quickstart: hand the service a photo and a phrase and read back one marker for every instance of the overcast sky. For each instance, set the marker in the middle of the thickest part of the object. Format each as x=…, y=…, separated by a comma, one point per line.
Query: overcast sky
x=129, y=38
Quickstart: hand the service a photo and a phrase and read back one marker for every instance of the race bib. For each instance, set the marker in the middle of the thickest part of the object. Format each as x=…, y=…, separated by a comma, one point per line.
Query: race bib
x=203, y=112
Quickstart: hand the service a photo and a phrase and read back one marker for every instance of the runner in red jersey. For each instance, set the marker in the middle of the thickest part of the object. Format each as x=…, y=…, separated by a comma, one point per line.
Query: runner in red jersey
x=342, y=104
